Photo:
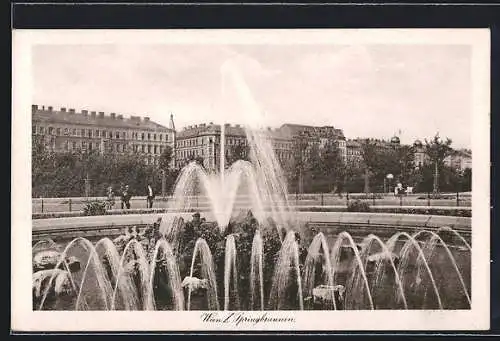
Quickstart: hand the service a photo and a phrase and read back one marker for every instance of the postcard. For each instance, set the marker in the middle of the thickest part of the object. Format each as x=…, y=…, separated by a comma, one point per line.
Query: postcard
x=236, y=180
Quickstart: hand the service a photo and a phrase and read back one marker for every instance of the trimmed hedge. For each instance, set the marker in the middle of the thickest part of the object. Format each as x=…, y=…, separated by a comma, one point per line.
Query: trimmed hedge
x=402, y=210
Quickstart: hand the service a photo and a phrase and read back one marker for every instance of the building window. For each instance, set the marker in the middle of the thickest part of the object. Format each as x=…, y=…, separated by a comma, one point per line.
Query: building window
x=90, y=146
x=74, y=132
x=142, y=136
x=58, y=131
x=66, y=145
x=40, y=130
x=149, y=149
x=161, y=137
x=149, y=136
x=154, y=137
x=97, y=145
x=124, y=135
x=143, y=148
x=89, y=132
x=50, y=131
x=65, y=131
x=74, y=145
x=117, y=134
x=97, y=133
x=84, y=145
x=155, y=149
x=33, y=129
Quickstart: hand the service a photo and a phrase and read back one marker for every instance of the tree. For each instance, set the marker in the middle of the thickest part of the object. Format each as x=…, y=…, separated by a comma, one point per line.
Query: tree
x=198, y=159
x=166, y=158
x=437, y=150
x=370, y=160
x=238, y=152
x=165, y=161
x=406, y=158
x=41, y=168
x=299, y=151
x=332, y=165
x=354, y=179
x=467, y=180
x=313, y=170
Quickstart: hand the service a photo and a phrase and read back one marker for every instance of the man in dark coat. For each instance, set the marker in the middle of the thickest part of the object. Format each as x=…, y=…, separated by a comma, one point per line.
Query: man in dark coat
x=126, y=195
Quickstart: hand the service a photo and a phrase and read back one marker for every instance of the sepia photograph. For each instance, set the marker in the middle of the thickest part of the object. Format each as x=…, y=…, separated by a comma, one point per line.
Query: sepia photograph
x=250, y=179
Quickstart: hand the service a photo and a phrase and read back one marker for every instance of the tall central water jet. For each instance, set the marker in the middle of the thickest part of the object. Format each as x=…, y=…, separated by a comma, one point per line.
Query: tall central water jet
x=222, y=151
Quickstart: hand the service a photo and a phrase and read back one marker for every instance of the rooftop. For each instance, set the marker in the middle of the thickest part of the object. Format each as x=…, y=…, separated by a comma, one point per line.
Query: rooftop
x=93, y=118
x=297, y=129
x=210, y=129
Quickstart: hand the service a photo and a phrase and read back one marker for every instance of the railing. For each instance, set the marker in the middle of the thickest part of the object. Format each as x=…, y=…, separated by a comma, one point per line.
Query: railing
x=76, y=204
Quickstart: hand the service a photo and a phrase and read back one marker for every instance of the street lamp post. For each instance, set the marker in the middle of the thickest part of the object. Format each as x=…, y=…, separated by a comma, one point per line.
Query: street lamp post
x=163, y=184
x=87, y=186
x=389, y=177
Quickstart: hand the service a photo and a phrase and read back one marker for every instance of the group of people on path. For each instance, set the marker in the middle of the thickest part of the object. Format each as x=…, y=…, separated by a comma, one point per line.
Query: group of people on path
x=126, y=195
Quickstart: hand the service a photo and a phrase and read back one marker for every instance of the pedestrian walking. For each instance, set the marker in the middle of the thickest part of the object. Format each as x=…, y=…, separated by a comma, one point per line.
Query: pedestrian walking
x=110, y=203
x=126, y=195
x=150, y=195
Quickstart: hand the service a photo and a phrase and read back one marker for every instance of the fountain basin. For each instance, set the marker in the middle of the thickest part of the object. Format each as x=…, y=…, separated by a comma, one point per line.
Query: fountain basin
x=330, y=227
x=98, y=226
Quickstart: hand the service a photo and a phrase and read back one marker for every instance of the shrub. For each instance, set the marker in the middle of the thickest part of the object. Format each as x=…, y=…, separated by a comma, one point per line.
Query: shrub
x=366, y=196
x=95, y=207
x=243, y=229
x=358, y=206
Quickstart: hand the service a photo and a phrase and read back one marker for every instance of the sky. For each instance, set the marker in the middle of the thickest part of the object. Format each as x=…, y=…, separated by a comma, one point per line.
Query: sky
x=366, y=90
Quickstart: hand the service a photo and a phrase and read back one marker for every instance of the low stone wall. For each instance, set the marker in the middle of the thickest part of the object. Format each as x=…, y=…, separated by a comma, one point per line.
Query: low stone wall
x=95, y=226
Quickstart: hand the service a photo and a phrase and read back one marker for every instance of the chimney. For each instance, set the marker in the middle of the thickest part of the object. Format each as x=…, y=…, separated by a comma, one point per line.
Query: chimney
x=203, y=125
x=43, y=107
x=34, y=108
x=113, y=115
x=85, y=112
x=50, y=109
x=63, y=109
x=93, y=114
x=211, y=123
x=72, y=111
x=120, y=117
x=101, y=114
x=146, y=119
x=237, y=126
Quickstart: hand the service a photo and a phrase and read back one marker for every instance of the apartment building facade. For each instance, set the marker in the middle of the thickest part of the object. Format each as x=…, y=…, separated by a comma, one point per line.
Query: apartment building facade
x=203, y=141
x=66, y=130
